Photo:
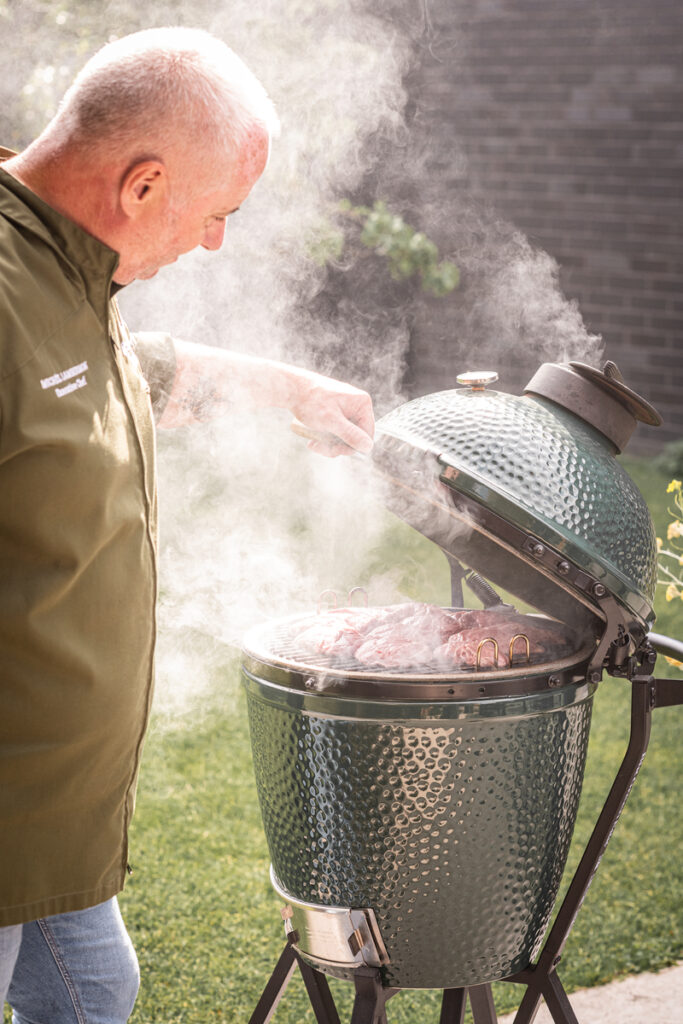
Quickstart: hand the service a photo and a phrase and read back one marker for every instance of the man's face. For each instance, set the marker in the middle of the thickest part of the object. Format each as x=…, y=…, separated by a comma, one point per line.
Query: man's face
x=192, y=214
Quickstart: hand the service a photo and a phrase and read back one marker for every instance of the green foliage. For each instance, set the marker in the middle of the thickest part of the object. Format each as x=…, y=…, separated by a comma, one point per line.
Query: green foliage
x=670, y=459
x=325, y=243
x=653, y=484
x=409, y=253
x=671, y=557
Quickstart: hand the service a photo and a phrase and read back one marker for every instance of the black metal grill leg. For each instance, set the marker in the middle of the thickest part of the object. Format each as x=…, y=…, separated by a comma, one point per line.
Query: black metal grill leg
x=277, y=983
x=531, y=1001
x=370, y=1001
x=557, y=1001
x=481, y=1001
x=453, y=1006
x=549, y=988
x=316, y=985
x=319, y=994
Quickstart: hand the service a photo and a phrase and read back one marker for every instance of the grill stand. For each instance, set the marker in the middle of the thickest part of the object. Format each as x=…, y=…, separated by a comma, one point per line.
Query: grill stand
x=541, y=979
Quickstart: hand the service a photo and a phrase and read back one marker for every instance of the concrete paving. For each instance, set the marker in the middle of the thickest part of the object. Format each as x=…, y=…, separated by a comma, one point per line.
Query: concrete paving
x=640, y=999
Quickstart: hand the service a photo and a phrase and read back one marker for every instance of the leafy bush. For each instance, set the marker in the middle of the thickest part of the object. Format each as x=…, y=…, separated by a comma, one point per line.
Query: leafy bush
x=408, y=252
x=671, y=557
x=670, y=459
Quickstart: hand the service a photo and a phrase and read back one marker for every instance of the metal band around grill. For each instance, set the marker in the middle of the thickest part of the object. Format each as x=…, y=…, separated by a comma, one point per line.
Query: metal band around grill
x=261, y=662
x=343, y=937
x=556, y=565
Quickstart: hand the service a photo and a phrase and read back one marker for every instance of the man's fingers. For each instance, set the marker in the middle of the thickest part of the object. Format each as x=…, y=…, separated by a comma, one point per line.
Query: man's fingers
x=355, y=437
x=337, y=418
x=331, y=451
x=348, y=438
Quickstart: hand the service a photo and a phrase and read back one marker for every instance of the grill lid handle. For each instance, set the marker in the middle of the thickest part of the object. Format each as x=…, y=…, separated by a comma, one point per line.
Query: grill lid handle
x=598, y=397
x=477, y=380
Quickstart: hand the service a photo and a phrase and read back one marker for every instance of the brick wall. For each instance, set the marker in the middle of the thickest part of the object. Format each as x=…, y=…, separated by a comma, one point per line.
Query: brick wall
x=563, y=121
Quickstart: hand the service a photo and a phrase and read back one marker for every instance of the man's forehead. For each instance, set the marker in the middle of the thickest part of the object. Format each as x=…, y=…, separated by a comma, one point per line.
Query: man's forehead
x=253, y=154
x=227, y=179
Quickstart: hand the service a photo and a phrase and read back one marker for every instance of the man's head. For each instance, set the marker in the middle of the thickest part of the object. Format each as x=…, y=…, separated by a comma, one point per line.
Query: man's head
x=160, y=86
x=161, y=136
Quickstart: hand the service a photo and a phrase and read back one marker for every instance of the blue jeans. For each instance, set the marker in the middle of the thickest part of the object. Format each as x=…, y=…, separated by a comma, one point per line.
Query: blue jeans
x=77, y=968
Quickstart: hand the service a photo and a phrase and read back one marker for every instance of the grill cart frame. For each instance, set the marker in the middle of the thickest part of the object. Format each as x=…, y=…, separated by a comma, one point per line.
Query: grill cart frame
x=526, y=492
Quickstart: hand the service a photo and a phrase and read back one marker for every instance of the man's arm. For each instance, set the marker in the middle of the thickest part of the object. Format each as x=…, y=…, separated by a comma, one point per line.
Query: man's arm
x=208, y=380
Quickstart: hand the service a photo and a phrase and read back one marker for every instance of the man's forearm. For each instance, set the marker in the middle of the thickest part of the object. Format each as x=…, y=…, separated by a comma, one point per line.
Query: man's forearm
x=210, y=380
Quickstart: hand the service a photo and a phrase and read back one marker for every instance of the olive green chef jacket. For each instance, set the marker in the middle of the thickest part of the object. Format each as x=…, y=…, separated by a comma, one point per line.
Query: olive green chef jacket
x=77, y=565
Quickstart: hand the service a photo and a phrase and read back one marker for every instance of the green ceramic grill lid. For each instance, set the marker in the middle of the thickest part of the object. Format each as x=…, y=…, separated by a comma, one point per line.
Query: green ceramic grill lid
x=544, y=463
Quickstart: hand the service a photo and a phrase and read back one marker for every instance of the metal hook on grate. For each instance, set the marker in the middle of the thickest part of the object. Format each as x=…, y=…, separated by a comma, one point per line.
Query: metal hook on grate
x=487, y=640
x=525, y=638
x=332, y=594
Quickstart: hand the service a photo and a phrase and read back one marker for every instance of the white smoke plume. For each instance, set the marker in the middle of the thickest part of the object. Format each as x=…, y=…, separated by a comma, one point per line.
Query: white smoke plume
x=252, y=525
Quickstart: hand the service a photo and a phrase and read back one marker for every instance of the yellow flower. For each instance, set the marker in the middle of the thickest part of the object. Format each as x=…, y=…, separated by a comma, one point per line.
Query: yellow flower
x=671, y=592
x=672, y=661
x=675, y=529
x=675, y=485
x=660, y=543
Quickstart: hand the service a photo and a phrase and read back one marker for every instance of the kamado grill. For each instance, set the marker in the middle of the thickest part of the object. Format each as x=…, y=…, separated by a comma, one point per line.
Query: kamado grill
x=419, y=769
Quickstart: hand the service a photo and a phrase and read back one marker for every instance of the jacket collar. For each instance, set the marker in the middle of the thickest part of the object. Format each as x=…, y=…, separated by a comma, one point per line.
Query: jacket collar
x=93, y=262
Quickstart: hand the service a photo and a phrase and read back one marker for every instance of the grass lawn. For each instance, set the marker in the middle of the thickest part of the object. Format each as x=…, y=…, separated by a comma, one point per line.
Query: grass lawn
x=206, y=923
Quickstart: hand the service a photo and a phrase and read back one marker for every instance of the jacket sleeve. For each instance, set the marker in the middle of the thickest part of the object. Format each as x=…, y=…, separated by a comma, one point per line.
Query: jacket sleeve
x=156, y=353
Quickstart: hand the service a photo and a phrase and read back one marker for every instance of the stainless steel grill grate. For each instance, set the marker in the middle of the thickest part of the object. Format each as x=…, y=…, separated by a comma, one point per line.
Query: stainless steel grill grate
x=278, y=643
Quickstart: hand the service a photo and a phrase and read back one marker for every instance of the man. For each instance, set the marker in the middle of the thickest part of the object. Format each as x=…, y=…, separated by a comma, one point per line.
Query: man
x=160, y=138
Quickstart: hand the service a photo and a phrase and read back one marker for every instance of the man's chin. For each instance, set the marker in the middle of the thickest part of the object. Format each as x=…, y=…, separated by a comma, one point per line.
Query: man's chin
x=144, y=274
x=139, y=275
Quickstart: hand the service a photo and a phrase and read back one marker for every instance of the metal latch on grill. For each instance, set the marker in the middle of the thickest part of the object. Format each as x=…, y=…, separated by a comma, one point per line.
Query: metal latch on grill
x=332, y=936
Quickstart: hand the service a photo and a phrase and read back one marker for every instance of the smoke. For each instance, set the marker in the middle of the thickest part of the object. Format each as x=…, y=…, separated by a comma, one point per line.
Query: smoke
x=513, y=306
x=252, y=525
x=510, y=312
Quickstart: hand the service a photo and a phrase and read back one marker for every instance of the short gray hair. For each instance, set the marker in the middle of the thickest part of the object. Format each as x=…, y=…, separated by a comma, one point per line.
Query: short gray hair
x=165, y=86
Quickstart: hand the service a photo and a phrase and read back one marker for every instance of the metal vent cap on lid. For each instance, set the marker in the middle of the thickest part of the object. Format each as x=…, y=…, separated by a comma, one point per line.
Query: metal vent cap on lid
x=540, y=464
x=600, y=397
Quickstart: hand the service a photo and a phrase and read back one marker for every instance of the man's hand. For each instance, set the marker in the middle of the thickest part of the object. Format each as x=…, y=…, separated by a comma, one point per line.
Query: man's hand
x=340, y=413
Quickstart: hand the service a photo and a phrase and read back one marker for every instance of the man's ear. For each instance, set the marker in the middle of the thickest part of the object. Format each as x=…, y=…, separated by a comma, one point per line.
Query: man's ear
x=144, y=188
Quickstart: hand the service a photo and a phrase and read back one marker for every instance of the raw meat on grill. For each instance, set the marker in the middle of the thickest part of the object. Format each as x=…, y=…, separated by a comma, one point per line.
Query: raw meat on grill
x=395, y=646
x=414, y=638
x=471, y=648
x=340, y=631
x=413, y=635
x=337, y=632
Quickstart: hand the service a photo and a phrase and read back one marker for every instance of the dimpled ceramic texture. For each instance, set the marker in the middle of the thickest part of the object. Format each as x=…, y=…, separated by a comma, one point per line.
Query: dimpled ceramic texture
x=453, y=825
x=543, y=469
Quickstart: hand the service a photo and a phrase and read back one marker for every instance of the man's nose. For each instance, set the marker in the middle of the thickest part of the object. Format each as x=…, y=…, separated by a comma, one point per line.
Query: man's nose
x=213, y=235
